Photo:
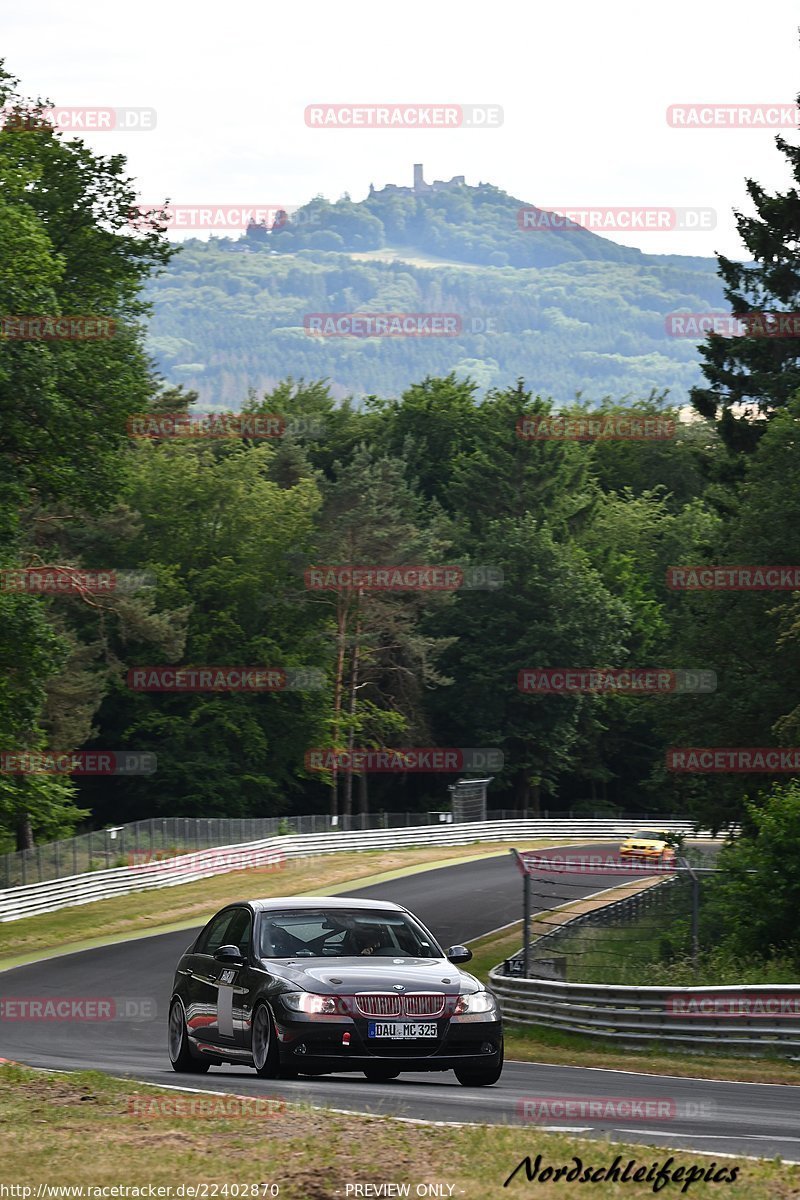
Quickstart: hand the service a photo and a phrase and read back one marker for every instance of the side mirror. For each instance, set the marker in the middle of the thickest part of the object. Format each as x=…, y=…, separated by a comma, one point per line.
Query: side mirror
x=228, y=954
x=458, y=954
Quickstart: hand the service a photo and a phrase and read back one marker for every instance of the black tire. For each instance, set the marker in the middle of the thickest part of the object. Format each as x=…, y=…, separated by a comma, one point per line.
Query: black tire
x=378, y=1074
x=180, y=1052
x=264, y=1043
x=483, y=1075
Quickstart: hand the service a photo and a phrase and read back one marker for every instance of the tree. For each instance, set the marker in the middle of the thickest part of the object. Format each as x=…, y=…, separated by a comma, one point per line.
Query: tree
x=221, y=536
x=631, y=540
x=63, y=403
x=64, y=251
x=383, y=662
x=752, y=910
x=751, y=639
x=752, y=375
x=552, y=610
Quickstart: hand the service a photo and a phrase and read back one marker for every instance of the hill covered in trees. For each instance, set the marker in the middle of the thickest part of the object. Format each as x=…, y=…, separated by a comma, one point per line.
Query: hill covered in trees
x=573, y=310
x=225, y=534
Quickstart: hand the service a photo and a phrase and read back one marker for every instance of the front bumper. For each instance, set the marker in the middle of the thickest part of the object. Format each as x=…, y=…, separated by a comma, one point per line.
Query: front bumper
x=632, y=852
x=342, y=1044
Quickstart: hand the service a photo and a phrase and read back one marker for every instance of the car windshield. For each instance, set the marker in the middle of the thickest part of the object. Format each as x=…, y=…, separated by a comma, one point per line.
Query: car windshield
x=649, y=835
x=344, y=933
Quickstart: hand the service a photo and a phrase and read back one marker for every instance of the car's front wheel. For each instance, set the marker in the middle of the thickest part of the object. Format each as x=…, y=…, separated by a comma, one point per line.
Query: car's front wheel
x=180, y=1052
x=264, y=1043
x=482, y=1074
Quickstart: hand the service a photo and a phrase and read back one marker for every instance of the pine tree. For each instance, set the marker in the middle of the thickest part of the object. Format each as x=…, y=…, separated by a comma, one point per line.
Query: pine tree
x=751, y=375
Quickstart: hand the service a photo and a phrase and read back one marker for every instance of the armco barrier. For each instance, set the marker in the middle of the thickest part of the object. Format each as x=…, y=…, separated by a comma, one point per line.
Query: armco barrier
x=163, y=837
x=39, y=898
x=696, y=1016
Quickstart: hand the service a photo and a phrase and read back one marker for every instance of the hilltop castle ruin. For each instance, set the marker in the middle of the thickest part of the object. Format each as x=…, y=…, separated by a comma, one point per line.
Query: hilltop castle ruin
x=420, y=185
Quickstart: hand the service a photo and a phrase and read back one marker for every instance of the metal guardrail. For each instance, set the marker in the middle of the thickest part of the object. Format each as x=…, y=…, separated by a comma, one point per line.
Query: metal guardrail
x=165, y=836
x=33, y=899
x=745, y=1017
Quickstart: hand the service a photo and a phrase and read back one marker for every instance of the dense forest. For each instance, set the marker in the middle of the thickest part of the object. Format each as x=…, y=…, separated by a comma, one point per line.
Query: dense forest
x=572, y=536
x=576, y=312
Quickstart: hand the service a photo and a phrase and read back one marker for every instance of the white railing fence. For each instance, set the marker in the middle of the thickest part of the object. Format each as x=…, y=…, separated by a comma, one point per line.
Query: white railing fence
x=272, y=852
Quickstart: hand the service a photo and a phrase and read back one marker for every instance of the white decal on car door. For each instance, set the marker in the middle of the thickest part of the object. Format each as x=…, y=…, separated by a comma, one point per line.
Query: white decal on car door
x=225, y=1004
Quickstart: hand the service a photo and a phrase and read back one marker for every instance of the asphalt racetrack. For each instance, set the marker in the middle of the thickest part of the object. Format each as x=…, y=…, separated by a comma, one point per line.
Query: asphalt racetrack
x=459, y=903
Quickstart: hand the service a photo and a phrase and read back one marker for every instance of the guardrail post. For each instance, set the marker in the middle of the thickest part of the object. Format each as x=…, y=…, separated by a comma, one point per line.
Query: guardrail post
x=695, y=915
x=526, y=924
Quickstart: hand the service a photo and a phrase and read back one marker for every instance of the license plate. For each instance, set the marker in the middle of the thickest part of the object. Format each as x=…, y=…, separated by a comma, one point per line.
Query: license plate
x=402, y=1029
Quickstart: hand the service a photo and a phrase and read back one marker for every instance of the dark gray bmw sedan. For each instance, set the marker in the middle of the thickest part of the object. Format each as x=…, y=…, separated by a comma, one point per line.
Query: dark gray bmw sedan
x=313, y=985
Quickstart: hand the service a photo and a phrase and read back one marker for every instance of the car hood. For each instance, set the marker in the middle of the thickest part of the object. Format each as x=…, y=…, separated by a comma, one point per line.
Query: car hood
x=349, y=975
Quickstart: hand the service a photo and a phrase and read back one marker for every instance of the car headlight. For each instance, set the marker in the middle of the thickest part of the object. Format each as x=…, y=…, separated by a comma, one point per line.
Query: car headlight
x=315, y=1005
x=474, y=1002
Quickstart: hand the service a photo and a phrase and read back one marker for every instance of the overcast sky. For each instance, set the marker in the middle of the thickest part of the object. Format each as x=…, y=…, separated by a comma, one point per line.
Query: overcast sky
x=584, y=89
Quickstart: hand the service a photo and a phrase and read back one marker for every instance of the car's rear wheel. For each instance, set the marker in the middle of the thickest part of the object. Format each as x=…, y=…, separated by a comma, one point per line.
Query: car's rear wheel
x=180, y=1052
x=264, y=1044
x=380, y=1074
x=482, y=1074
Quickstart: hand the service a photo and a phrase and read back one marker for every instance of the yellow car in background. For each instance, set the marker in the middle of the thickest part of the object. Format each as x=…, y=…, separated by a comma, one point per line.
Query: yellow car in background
x=648, y=844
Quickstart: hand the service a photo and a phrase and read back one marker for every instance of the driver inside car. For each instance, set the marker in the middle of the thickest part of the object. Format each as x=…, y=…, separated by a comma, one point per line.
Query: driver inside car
x=366, y=941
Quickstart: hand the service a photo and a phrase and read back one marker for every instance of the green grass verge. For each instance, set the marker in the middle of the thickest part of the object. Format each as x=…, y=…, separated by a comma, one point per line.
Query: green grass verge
x=88, y=1129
